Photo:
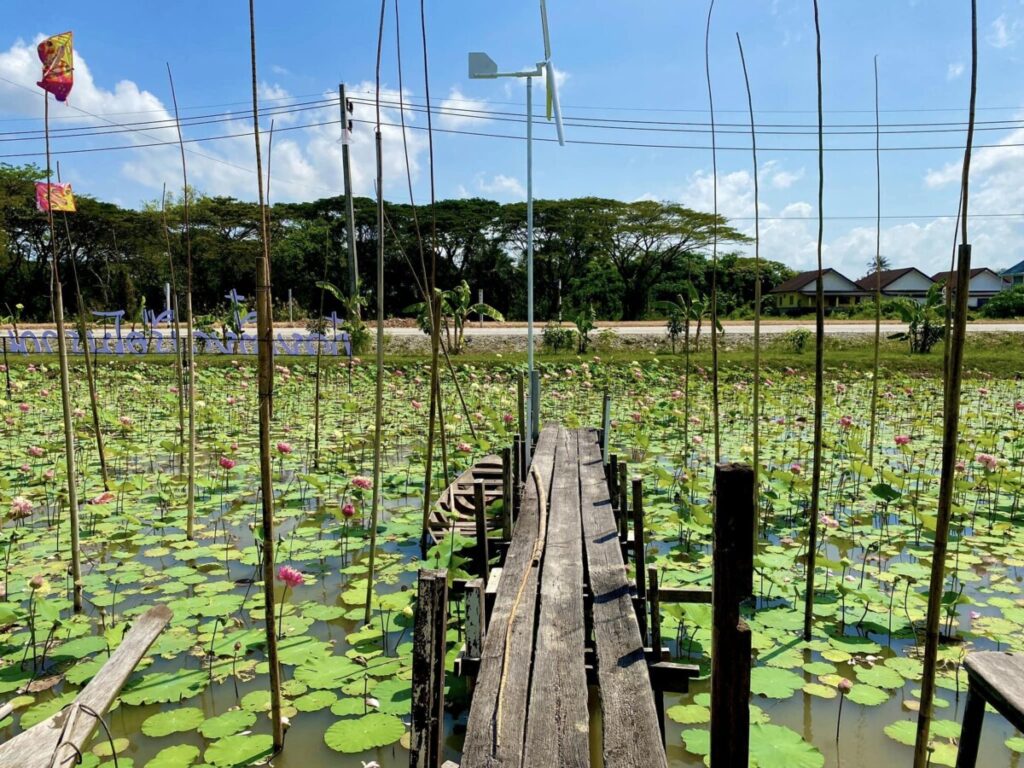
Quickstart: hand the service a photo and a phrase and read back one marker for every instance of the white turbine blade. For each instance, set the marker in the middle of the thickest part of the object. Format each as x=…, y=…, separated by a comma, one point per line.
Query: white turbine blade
x=544, y=25
x=553, y=103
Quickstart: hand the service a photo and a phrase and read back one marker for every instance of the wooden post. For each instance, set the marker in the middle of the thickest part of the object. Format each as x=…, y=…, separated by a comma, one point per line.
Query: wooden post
x=521, y=399
x=654, y=599
x=733, y=581
x=506, y=494
x=623, y=503
x=606, y=425
x=480, y=513
x=476, y=621
x=970, y=733
x=517, y=476
x=639, y=554
x=613, y=482
x=428, y=652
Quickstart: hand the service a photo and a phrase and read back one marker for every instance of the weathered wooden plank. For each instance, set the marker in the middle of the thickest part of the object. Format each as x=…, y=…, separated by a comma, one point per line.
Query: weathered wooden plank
x=503, y=683
x=429, y=646
x=557, y=730
x=999, y=678
x=631, y=734
x=58, y=741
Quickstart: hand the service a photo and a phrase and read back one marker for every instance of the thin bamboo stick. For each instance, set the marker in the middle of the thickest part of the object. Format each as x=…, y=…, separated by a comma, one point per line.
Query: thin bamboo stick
x=714, y=242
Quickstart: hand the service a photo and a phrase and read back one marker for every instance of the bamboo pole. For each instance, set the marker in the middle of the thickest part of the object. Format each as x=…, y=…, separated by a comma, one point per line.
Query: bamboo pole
x=819, y=361
x=714, y=242
x=265, y=350
x=757, y=294
x=57, y=299
x=951, y=427
x=378, y=410
x=90, y=374
x=178, y=369
x=878, y=278
x=189, y=330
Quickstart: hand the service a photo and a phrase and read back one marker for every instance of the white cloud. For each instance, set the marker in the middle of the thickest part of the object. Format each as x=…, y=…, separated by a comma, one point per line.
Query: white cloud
x=785, y=179
x=955, y=69
x=457, y=111
x=501, y=186
x=1004, y=32
x=306, y=161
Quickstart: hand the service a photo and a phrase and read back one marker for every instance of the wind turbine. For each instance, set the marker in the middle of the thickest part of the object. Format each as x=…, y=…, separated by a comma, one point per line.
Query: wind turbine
x=483, y=67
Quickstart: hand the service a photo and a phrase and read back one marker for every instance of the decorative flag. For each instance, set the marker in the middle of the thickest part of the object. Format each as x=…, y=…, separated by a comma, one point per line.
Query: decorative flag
x=60, y=197
x=58, y=65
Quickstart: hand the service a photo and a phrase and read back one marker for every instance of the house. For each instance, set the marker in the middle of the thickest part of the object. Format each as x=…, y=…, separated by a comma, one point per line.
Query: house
x=800, y=292
x=1015, y=274
x=908, y=283
x=984, y=284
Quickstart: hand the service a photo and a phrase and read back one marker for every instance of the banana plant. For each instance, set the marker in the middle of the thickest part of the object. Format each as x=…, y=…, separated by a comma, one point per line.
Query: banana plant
x=689, y=307
x=456, y=308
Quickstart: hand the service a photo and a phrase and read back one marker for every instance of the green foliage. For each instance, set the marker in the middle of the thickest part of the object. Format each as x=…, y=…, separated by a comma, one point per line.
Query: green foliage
x=456, y=309
x=796, y=341
x=555, y=338
x=1005, y=304
x=584, y=325
x=924, y=321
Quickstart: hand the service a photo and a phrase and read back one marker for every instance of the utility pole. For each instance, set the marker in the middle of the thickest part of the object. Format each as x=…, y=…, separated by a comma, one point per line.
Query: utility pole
x=346, y=138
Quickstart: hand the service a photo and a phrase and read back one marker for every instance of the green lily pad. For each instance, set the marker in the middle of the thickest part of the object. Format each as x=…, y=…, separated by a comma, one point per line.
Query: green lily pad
x=176, y=720
x=360, y=734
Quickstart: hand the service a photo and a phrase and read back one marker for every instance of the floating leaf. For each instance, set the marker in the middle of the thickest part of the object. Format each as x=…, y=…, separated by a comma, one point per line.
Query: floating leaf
x=360, y=734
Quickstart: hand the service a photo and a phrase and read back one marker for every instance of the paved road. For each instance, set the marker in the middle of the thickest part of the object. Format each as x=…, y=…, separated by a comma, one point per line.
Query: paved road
x=739, y=328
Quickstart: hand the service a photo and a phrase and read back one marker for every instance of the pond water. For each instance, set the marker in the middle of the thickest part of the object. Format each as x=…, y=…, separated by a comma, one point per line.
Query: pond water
x=347, y=695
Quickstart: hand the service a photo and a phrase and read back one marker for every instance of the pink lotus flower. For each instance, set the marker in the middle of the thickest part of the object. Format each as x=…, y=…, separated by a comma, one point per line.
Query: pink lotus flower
x=845, y=685
x=35, y=451
x=975, y=615
x=846, y=422
x=78, y=413
x=348, y=510
x=982, y=391
x=24, y=407
x=828, y=521
x=290, y=576
x=231, y=399
x=698, y=440
x=464, y=448
x=507, y=418
x=840, y=388
x=796, y=468
x=987, y=460
x=362, y=482
x=44, y=393
x=48, y=474
x=284, y=448
x=126, y=421
x=20, y=507
x=637, y=417
x=961, y=466
x=416, y=404
x=227, y=463
x=1019, y=406
x=104, y=498
x=902, y=439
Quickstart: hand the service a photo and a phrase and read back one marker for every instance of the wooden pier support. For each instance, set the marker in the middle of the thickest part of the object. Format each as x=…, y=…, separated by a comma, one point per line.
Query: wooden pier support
x=733, y=581
x=506, y=494
x=480, y=513
x=428, y=653
x=640, y=556
x=655, y=601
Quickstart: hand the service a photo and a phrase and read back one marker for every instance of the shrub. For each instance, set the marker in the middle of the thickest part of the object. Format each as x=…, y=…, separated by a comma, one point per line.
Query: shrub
x=1005, y=304
x=558, y=339
x=796, y=340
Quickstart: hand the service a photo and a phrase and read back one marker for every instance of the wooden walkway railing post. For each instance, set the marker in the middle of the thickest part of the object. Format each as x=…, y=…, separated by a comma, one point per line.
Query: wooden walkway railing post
x=733, y=580
x=622, y=486
x=655, y=601
x=428, y=653
x=517, y=475
x=480, y=513
x=640, y=556
x=506, y=494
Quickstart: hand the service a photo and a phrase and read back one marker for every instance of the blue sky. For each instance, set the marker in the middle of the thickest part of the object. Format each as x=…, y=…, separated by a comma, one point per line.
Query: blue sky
x=637, y=67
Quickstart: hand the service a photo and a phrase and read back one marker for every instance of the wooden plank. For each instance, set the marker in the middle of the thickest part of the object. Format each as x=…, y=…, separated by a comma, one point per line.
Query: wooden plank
x=69, y=729
x=685, y=595
x=486, y=744
x=557, y=729
x=999, y=678
x=631, y=734
x=429, y=643
x=970, y=733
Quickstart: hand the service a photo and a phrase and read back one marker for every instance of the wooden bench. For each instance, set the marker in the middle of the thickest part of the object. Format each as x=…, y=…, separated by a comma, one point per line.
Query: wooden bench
x=564, y=597
x=996, y=679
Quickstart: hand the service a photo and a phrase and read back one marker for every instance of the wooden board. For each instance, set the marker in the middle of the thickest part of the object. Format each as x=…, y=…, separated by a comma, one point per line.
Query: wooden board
x=631, y=734
x=999, y=677
x=484, y=746
x=71, y=727
x=558, y=721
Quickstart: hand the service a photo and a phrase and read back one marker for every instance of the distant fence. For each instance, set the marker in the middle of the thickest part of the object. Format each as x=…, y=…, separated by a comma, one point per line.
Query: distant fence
x=155, y=342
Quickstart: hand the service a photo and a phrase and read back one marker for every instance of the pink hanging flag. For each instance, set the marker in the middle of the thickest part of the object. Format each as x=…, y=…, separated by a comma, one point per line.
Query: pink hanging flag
x=59, y=199
x=58, y=65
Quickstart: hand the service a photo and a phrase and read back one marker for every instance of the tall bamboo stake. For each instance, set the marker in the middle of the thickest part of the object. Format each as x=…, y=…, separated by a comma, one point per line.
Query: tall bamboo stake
x=178, y=372
x=378, y=408
x=714, y=241
x=265, y=351
x=878, y=276
x=757, y=292
x=951, y=427
x=57, y=299
x=819, y=362
x=190, y=357
x=90, y=374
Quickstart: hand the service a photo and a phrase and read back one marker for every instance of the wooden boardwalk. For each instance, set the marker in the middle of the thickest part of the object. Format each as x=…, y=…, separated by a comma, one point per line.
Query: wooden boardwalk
x=564, y=613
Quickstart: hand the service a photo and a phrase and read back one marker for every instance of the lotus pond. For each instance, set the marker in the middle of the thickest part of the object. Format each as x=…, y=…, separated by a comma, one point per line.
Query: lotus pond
x=200, y=696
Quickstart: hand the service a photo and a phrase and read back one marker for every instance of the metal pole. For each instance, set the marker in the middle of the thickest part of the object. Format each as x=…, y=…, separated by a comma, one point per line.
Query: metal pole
x=167, y=298
x=353, y=260
x=529, y=264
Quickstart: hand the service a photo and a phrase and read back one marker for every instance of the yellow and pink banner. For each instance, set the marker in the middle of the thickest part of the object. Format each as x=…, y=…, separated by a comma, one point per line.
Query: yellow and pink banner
x=59, y=198
x=58, y=65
